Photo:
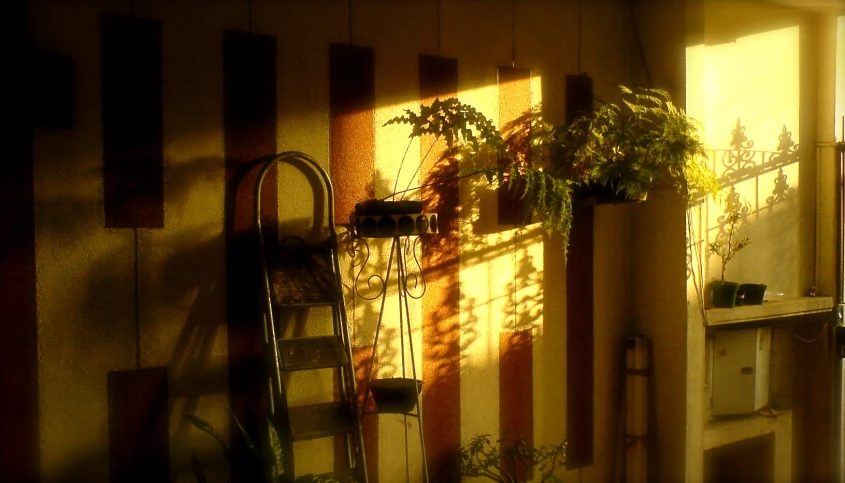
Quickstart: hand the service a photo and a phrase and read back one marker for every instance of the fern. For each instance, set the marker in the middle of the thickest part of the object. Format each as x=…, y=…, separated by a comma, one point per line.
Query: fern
x=627, y=147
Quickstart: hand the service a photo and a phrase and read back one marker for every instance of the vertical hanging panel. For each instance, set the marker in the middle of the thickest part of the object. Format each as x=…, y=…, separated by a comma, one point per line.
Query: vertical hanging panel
x=514, y=101
x=249, y=117
x=361, y=359
x=516, y=390
x=19, y=430
x=133, y=156
x=352, y=101
x=52, y=88
x=579, y=340
x=139, y=448
x=441, y=304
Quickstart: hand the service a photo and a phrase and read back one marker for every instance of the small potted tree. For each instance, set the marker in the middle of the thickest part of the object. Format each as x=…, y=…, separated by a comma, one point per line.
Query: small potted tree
x=724, y=293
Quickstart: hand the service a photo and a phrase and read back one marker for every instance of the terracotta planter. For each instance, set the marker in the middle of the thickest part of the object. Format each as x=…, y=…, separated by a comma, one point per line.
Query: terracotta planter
x=723, y=294
x=395, y=394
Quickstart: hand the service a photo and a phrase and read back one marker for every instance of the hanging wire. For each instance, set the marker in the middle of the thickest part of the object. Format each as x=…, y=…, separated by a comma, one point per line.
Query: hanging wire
x=579, y=36
x=513, y=33
x=401, y=164
x=515, y=273
x=349, y=27
x=137, y=301
x=249, y=15
x=439, y=53
x=639, y=43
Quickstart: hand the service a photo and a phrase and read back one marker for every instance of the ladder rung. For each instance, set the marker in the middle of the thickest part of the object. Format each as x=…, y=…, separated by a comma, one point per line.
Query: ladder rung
x=321, y=420
x=302, y=280
x=304, y=353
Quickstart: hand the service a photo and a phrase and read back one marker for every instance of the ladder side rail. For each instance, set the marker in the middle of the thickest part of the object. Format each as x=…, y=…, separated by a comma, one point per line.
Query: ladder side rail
x=347, y=383
x=278, y=406
x=270, y=326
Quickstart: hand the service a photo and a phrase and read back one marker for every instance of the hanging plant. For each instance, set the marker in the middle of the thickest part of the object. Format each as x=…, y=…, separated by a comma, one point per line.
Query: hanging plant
x=623, y=148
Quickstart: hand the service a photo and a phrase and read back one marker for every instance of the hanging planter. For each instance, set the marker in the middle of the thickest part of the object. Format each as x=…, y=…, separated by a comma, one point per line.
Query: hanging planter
x=395, y=394
x=604, y=194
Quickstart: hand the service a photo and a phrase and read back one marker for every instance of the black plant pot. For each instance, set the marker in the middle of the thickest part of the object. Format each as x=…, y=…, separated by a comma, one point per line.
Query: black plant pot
x=603, y=194
x=386, y=207
x=387, y=219
x=755, y=293
x=395, y=394
x=724, y=294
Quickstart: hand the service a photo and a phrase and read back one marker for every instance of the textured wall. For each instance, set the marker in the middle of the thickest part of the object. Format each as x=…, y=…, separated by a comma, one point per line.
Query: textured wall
x=124, y=299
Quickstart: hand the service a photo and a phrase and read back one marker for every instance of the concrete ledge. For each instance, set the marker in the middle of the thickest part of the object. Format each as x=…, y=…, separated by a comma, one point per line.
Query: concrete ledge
x=769, y=310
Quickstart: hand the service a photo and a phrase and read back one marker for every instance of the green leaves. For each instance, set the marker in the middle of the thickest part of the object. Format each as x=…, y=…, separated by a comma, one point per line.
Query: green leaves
x=725, y=247
x=482, y=458
x=455, y=121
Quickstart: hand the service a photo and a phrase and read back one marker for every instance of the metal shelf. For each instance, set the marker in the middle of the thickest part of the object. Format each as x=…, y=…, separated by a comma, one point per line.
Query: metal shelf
x=769, y=310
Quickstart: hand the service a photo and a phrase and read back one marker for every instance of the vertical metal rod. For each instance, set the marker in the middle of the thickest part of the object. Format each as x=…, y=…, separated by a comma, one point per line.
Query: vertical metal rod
x=404, y=283
x=839, y=372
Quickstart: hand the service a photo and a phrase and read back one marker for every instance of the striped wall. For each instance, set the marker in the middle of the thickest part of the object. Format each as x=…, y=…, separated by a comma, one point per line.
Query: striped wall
x=138, y=298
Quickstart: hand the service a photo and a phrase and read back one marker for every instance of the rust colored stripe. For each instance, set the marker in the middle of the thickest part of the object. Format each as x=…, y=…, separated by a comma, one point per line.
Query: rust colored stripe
x=133, y=156
x=352, y=102
x=441, y=305
x=514, y=101
x=19, y=429
x=361, y=357
x=139, y=440
x=516, y=389
x=249, y=117
x=579, y=340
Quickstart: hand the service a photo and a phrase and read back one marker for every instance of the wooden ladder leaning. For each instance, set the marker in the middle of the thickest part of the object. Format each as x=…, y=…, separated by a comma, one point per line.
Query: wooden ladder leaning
x=300, y=276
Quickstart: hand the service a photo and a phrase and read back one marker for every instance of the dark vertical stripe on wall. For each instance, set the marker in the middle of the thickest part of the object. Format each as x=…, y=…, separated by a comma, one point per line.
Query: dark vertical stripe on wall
x=441, y=304
x=516, y=389
x=579, y=340
x=249, y=117
x=133, y=156
x=514, y=101
x=352, y=101
x=139, y=437
x=19, y=431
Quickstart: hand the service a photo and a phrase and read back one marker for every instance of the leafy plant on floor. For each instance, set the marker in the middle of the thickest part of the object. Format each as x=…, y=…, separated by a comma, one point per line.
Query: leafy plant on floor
x=248, y=461
x=513, y=463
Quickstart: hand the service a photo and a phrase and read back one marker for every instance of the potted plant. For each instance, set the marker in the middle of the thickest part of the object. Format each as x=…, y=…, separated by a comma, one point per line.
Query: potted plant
x=450, y=120
x=511, y=461
x=625, y=149
x=752, y=293
x=724, y=293
x=622, y=149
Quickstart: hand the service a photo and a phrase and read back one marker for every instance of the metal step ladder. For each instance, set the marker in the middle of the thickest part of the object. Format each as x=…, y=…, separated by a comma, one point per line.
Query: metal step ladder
x=300, y=276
